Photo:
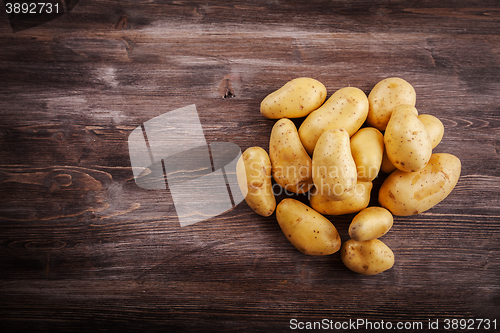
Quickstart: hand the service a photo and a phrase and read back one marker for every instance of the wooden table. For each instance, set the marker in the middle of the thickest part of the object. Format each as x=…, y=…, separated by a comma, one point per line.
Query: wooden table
x=83, y=248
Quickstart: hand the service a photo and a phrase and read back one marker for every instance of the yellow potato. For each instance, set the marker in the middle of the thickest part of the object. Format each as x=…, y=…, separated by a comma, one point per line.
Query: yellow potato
x=411, y=193
x=434, y=127
x=358, y=201
x=369, y=257
x=385, y=97
x=387, y=166
x=297, y=98
x=406, y=140
x=253, y=171
x=309, y=231
x=291, y=165
x=367, y=148
x=334, y=170
x=370, y=223
x=347, y=108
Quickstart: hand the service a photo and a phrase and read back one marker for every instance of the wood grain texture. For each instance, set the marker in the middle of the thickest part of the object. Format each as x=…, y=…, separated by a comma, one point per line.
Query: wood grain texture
x=83, y=248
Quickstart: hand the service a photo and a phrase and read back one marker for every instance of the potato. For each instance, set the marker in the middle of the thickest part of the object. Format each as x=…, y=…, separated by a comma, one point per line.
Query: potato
x=297, y=98
x=387, y=166
x=370, y=223
x=368, y=257
x=434, y=128
x=358, y=201
x=334, y=170
x=406, y=140
x=385, y=97
x=291, y=165
x=309, y=231
x=367, y=148
x=347, y=108
x=412, y=193
x=253, y=171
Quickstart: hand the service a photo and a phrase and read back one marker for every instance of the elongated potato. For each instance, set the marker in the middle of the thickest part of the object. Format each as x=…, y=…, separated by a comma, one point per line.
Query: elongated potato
x=370, y=223
x=347, y=108
x=369, y=257
x=358, y=201
x=434, y=127
x=309, y=231
x=334, y=170
x=411, y=193
x=253, y=171
x=367, y=148
x=291, y=165
x=406, y=140
x=385, y=97
x=297, y=98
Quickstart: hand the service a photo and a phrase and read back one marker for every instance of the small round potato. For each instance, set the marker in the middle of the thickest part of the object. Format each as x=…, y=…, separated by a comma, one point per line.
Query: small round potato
x=253, y=171
x=367, y=148
x=434, y=127
x=309, y=231
x=385, y=97
x=370, y=223
x=359, y=200
x=368, y=257
x=297, y=98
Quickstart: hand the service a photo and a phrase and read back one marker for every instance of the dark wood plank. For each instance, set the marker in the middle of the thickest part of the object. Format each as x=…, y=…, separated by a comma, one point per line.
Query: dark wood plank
x=83, y=248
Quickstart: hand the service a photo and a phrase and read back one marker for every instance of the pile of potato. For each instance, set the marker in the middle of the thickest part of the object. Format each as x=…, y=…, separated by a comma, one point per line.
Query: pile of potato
x=332, y=159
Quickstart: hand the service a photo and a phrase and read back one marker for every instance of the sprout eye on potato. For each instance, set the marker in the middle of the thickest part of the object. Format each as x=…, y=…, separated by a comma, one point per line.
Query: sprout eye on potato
x=334, y=160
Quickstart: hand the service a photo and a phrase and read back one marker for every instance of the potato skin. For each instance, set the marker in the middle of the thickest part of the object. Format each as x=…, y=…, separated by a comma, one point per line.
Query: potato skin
x=367, y=148
x=406, y=140
x=309, y=231
x=291, y=165
x=297, y=98
x=387, y=166
x=411, y=193
x=253, y=171
x=368, y=257
x=334, y=170
x=385, y=96
x=370, y=223
x=434, y=128
x=347, y=108
x=358, y=201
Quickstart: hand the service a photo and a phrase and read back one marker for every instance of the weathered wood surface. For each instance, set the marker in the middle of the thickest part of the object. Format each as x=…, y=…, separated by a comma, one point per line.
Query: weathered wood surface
x=83, y=248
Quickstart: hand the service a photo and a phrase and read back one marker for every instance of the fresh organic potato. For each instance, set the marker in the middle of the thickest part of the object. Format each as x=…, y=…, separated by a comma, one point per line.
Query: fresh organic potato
x=291, y=165
x=387, y=166
x=334, y=170
x=368, y=257
x=434, y=127
x=370, y=223
x=385, y=97
x=297, y=98
x=309, y=231
x=367, y=148
x=406, y=140
x=358, y=201
x=415, y=192
x=253, y=171
x=347, y=108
